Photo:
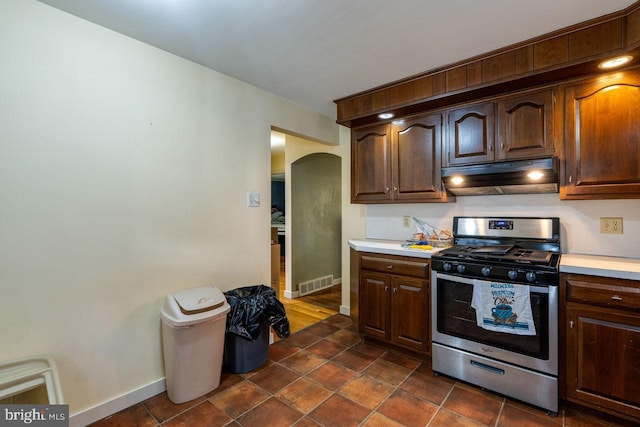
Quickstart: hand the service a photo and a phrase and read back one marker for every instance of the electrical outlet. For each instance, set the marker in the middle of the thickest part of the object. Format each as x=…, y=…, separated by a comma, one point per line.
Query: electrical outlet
x=611, y=225
x=406, y=221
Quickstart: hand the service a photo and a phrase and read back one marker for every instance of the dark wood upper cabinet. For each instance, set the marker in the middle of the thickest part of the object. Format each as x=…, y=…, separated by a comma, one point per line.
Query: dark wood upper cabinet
x=526, y=126
x=398, y=162
x=602, y=137
x=471, y=133
x=371, y=164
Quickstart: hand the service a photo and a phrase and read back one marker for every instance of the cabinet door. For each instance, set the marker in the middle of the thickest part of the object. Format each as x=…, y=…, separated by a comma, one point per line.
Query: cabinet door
x=375, y=305
x=416, y=160
x=603, y=358
x=525, y=126
x=371, y=164
x=471, y=134
x=410, y=313
x=602, y=140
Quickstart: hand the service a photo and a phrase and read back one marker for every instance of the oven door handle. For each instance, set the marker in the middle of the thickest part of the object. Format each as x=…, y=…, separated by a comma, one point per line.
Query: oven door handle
x=469, y=281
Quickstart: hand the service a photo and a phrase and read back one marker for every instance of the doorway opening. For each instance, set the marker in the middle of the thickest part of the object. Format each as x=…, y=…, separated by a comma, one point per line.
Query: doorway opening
x=309, y=212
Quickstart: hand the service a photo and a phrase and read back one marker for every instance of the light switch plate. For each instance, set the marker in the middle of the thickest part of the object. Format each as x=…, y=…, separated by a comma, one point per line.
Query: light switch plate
x=253, y=200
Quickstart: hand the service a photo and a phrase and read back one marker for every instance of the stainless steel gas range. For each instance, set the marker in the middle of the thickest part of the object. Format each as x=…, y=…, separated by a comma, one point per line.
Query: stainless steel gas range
x=495, y=307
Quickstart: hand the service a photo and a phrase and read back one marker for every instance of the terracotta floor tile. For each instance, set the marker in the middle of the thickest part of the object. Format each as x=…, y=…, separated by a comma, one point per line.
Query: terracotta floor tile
x=272, y=413
x=428, y=387
x=332, y=375
x=379, y=420
x=480, y=407
x=303, y=362
x=321, y=329
x=239, y=398
x=370, y=349
x=162, y=408
x=344, y=337
x=274, y=378
x=135, y=415
x=203, y=415
x=304, y=395
x=475, y=389
x=388, y=372
x=302, y=339
x=339, y=321
x=407, y=409
x=281, y=349
x=353, y=360
x=446, y=418
x=407, y=361
x=338, y=411
x=306, y=422
x=227, y=379
x=512, y=416
x=367, y=391
x=535, y=411
x=326, y=349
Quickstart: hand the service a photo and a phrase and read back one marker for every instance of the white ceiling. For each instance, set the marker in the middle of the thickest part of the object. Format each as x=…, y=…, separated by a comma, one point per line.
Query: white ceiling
x=315, y=51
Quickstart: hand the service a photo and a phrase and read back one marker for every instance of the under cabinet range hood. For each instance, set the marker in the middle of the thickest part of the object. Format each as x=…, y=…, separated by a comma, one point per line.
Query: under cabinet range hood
x=515, y=177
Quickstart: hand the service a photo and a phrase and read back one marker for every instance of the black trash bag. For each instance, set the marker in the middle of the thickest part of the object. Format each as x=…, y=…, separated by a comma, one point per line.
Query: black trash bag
x=252, y=305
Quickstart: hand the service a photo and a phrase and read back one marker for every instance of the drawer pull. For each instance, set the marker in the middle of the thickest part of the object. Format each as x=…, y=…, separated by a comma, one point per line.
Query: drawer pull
x=616, y=298
x=390, y=267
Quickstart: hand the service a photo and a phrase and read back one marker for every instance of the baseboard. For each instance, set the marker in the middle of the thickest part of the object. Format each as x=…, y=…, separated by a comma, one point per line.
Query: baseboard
x=345, y=310
x=291, y=295
x=103, y=410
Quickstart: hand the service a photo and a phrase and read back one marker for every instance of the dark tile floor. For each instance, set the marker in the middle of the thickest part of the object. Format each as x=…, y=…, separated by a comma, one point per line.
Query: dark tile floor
x=325, y=375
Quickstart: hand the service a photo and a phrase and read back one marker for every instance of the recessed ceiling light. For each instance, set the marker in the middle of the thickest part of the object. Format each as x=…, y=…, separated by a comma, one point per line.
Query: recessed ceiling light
x=385, y=116
x=615, y=62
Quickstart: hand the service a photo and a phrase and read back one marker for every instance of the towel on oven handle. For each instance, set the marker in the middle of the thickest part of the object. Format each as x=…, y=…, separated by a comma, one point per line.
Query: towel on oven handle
x=503, y=307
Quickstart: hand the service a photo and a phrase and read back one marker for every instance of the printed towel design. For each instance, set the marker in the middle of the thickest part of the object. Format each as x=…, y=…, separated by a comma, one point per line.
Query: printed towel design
x=503, y=307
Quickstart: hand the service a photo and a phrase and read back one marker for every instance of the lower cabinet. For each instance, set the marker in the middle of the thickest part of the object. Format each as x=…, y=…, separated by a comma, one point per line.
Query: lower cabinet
x=602, y=347
x=394, y=300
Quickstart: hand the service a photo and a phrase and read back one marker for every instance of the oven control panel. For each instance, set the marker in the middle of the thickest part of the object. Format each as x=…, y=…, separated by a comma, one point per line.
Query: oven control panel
x=500, y=224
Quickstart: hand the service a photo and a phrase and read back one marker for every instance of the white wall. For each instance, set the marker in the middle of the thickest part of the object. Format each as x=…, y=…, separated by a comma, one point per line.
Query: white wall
x=123, y=177
x=579, y=219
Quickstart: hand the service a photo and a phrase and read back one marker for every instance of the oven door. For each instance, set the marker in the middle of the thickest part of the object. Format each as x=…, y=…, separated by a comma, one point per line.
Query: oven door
x=454, y=325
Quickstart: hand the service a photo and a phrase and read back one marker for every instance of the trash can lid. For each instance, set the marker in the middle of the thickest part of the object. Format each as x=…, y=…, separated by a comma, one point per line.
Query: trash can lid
x=191, y=306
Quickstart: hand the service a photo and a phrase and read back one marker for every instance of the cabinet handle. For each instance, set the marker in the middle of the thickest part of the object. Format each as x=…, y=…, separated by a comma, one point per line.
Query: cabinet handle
x=386, y=289
x=389, y=267
x=395, y=290
x=386, y=189
x=616, y=298
x=571, y=324
x=570, y=178
x=502, y=146
x=490, y=148
x=395, y=189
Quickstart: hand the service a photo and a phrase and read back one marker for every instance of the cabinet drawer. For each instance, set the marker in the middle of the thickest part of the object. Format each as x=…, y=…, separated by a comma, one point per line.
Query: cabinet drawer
x=399, y=265
x=606, y=294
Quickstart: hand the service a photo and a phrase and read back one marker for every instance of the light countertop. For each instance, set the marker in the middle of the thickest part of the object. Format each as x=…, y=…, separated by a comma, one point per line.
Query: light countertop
x=390, y=247
x=595, y=265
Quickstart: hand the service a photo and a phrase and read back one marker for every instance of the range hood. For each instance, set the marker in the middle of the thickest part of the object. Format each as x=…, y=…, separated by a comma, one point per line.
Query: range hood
x=516, y=177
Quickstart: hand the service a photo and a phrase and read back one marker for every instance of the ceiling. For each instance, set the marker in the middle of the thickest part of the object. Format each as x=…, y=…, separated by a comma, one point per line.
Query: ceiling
x=315, y=51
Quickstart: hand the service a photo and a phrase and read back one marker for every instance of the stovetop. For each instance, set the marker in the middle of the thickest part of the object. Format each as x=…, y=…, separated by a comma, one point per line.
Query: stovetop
x=499, y=253
x=514, y=249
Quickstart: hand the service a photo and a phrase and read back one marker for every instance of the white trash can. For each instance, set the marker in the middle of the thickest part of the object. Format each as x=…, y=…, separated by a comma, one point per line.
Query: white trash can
x=193, y=330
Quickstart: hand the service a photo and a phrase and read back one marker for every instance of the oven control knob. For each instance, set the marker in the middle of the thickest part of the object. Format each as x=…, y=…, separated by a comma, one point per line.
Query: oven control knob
x=460, y=268
x=446, y=266
x=486, y=271
x=513, y=274
x=531, y=276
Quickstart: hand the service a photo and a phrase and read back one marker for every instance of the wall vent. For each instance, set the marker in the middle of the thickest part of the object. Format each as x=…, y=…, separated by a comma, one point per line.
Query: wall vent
x=315, y=285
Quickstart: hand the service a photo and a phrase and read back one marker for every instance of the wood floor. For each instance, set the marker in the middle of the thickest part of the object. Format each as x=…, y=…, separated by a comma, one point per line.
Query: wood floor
x=307, y=310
